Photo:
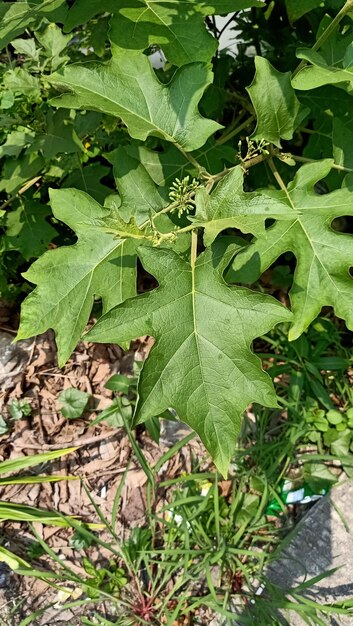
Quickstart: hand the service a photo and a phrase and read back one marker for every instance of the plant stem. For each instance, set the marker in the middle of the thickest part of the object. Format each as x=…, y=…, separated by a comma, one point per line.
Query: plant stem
x=280, y=181
x=192, y=160
x=228, y=135
x=246, y=165
x=302, y=159
x=193, y=246
x=221, y=31
x=310, y=131
x=348, y=6
x=25, y=187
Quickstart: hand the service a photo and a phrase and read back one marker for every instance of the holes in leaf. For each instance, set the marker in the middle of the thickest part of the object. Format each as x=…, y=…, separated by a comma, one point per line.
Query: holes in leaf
x=145, y=280
x=279, y=276
x=343, y=224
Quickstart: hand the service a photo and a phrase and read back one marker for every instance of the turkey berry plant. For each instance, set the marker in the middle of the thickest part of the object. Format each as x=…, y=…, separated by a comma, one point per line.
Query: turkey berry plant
x=215, y=180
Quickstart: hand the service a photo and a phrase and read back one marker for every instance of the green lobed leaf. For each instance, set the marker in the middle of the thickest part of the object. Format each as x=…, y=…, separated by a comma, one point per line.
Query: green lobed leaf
x=140, y=197
x=126, y=87
x=53, y=42
x=201, y=363
x=230, y=207
x=178, y=26
x=277, y=108
x=98, y=265
x=324, y=256
x=26, y=47
x=180, y=32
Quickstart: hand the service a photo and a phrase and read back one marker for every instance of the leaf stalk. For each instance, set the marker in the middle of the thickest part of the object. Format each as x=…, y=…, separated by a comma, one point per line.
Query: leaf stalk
x=348, y=6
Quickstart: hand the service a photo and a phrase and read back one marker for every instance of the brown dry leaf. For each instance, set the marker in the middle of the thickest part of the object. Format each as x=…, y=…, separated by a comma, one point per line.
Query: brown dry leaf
x=102, y=373
x=225, y=487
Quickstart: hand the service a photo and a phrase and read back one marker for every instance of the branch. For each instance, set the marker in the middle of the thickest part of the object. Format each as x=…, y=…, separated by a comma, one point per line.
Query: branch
x=228, y=135
x=25, y=187
x=327, y=32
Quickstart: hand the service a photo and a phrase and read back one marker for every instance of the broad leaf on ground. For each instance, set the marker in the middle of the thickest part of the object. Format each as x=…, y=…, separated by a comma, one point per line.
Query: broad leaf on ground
x=73, y=402
x=324, y=256
x=201, y=364
x=278, y=110
x=230, y=207
x=69, y=278
x=127, y=87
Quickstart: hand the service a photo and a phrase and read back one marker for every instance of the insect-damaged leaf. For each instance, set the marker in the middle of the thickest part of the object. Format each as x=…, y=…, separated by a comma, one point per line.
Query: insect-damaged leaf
x=201, y=363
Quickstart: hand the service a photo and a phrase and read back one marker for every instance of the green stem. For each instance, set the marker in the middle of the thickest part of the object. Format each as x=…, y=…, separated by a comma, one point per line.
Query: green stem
x=229, y=135
x=302, y=159
x=310, y=131
x=191, y=160
x=348, y=6
x=193, y=246
x=280, y=181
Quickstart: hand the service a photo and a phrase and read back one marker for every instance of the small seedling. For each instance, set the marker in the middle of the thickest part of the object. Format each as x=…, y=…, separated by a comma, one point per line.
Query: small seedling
x=73, y=402
x=19, y=409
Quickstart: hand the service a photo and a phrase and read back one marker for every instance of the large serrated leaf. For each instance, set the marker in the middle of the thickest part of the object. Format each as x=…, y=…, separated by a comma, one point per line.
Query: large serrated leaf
x=140, y=197
x=230, y=207
x=178, y=26
x=127, y=87
x=324, y=257
x=201, y=363
x=278, y=110
x=69, y=278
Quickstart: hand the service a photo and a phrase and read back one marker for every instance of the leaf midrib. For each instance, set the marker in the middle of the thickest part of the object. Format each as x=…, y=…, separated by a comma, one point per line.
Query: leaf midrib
x=82, y=279
x=91, y=92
